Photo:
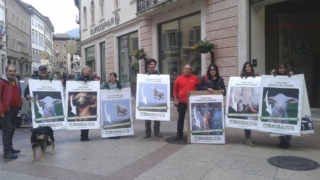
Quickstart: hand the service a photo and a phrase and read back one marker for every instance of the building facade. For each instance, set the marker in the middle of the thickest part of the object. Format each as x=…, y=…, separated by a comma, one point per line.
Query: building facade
x=18, y=40
x=48, y=43
x=263, y=32
x=3, y=28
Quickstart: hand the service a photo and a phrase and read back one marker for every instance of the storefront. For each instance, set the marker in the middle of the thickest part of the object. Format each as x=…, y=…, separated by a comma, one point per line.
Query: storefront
x=291, y=33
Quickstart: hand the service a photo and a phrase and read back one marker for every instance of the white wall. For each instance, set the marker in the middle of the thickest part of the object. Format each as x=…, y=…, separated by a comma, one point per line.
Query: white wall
x=127, y=12
x=258, y=37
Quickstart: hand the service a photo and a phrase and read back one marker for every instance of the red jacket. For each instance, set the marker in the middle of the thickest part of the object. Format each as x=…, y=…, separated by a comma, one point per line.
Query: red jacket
x=183, y=85
x=6, y=94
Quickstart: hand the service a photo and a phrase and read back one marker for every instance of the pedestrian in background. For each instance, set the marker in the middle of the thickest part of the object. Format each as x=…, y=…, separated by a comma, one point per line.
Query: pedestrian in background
x=182, y=85
x=10, y=104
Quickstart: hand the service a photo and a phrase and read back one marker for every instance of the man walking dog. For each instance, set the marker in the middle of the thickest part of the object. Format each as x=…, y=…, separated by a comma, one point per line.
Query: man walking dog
x=10, y=103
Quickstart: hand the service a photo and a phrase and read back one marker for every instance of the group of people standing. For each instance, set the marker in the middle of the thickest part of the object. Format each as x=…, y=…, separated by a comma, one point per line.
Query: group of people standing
x=11, y=101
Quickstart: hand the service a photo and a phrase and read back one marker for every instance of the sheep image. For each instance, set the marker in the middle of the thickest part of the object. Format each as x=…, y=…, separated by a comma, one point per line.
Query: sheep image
x=280, y=106
x=121, y=110
x=49, y=110
x=157, y=93
x=84, y=102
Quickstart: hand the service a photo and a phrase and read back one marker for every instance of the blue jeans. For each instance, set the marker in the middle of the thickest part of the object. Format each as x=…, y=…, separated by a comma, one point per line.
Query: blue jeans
x=9, y=123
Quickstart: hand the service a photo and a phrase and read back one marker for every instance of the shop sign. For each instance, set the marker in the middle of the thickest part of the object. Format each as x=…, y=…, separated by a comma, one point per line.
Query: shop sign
x=113, y=21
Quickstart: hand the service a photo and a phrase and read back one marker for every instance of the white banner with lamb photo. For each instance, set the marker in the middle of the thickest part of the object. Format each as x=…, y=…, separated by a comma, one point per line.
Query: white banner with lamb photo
x=47, y=104
x=116, y=113
x=206, y=118
x=281, y=104
x=153, y=97
x=83, y=105
x=243, y=98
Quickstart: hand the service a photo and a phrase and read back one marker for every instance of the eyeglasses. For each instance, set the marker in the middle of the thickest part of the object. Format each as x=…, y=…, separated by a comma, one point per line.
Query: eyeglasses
x=212, y=69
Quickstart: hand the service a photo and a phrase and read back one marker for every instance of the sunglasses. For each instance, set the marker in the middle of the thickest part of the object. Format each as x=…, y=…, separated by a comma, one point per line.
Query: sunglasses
x=212, y=69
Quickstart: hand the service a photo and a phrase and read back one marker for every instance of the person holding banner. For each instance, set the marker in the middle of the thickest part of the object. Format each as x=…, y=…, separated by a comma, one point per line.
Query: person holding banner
x=84, y=76
x=282, y=70
x=182, y=85
x=113, y=83
x=212, y=80
x=247, y=71
x=152, y=63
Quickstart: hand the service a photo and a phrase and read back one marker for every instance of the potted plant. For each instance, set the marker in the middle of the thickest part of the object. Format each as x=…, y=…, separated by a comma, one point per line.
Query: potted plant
x=139, y=54
x=204, y=46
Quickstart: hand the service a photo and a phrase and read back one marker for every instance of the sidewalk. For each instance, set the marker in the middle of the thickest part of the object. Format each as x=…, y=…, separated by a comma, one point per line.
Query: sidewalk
x=159, y=158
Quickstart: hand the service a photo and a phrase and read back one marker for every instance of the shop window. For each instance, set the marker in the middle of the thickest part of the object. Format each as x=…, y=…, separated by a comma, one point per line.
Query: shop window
x=90, y=58
x=103, y=61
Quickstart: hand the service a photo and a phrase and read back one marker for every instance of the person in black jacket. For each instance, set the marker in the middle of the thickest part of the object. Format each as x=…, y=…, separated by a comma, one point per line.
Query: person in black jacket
x=152, y=63
x=212, y=80
x=84, y=76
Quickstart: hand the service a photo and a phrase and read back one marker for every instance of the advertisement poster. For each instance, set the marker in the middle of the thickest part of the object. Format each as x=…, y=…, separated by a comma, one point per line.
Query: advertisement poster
x=116, y=113
x=153, y=97
x=243, y=98
x=47, y=104
x=206, y=119
x=83, y=105
x=281, y=104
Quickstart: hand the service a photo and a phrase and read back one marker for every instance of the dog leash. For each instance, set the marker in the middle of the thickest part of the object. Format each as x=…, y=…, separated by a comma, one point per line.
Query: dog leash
x=15, y=129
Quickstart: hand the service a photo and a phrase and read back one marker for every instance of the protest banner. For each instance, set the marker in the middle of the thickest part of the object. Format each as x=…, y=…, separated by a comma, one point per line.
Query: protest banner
x=281, y=104
x=153, y=97
x=116, y=113
x=47, y=104
x=206, y=117
x=242, y=101
x=83, y=105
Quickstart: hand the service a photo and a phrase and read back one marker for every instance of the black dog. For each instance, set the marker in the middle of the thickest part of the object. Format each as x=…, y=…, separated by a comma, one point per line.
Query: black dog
x=39, y=136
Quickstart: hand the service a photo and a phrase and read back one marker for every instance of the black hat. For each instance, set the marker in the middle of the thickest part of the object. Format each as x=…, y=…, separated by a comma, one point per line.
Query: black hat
x=42, y=67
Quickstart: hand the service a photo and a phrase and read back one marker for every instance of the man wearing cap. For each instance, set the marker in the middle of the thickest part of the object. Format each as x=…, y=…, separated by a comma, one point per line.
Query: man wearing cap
x=42, y=75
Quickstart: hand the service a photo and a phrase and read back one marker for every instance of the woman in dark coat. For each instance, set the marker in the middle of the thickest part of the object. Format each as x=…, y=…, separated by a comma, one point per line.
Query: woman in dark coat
x=212, y=80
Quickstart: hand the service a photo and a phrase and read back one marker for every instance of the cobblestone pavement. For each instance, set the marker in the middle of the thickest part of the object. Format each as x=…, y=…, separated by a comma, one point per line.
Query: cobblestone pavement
x=159, y=158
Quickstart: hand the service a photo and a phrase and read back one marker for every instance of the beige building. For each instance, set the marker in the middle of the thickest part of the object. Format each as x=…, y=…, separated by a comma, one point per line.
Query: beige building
x=67, y=62
x=18, y=37
x=263, y=32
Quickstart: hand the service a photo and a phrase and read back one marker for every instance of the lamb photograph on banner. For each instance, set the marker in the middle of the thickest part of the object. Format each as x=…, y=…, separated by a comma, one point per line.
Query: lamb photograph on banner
x=153, y=97
x=243, y=98
x=47, y=104
x=116, y=113
x=281, y=104
x=206, y=119
x=83, y=105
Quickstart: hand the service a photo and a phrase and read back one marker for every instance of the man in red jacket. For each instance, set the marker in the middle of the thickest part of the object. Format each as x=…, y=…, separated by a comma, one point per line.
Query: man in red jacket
x=10, y=103
x=183, y=84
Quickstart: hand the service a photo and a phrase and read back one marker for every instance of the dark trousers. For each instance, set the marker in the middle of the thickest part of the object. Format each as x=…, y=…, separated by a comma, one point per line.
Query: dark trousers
x=247, y=133
x=84, y=132
x=156, y=126
x=285, y=138
x=182, y=108
x=9, y=123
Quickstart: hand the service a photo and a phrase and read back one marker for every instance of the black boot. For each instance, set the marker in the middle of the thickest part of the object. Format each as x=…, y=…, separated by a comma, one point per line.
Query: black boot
x=179, y=136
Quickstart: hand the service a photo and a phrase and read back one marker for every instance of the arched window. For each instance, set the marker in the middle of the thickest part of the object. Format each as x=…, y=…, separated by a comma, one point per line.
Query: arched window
x=101, y=3
x=85, y=16
x=92, y=12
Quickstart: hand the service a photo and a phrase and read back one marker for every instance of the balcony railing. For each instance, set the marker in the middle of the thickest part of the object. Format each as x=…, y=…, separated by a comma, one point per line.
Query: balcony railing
x=143, y=5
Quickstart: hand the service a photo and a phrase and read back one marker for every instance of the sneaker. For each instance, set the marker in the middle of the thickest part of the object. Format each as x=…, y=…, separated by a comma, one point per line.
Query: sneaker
x=84, y=138
x=248, y=142
x=158, y=134
x=286, y=145
x=179, y=136
x=15, y=150
x=10, y=156
x=147, y=135
x=281, y=144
